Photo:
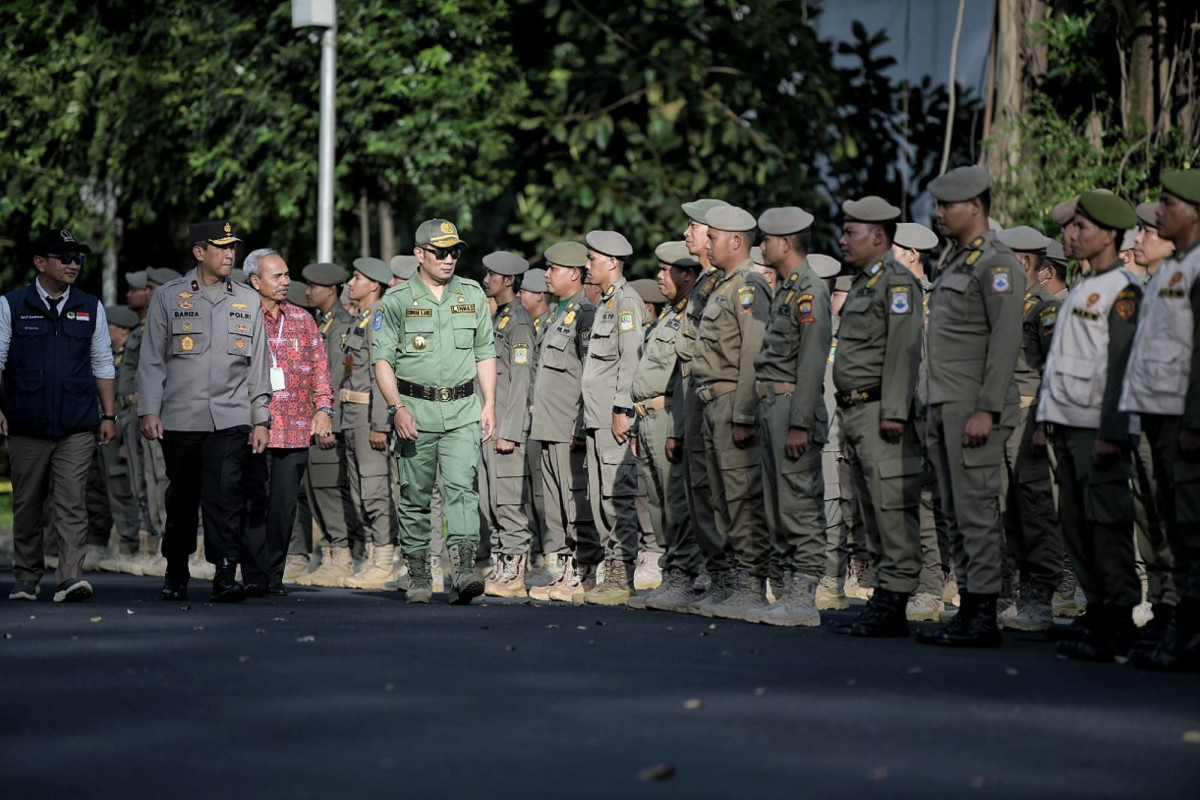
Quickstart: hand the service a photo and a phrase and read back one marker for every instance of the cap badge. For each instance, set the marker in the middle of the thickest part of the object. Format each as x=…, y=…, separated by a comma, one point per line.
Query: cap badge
x=228, y=228
x=66, y=236
x=447, y=227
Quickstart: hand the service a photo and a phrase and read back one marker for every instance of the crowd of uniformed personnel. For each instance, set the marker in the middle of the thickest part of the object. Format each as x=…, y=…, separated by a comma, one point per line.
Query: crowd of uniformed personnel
x=763, y=432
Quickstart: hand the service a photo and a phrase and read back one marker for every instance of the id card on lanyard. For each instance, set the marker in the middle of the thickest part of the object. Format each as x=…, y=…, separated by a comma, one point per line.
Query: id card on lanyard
x=278, y=379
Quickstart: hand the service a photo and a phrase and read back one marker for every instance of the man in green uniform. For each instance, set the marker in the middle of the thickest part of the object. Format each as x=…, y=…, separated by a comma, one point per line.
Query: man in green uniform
x=504, y=474
x=974, y=338
x=793, y=422
x=1163, y=387
x=1079, y=403
x=570, y=543
x=1033, y=542
x=434, y=341
x=612, y=358
x=875, y=374
x=655, y=403
x=729, y=336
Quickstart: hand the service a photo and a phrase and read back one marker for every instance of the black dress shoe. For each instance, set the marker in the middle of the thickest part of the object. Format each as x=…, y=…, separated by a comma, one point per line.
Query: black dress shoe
x=256, y=590
x=973, y=626
x=225, y=588
x=175, y=583
x=276, y=590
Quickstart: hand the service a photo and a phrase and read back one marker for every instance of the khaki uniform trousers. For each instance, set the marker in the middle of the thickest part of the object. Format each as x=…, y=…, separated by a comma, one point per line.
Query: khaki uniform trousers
x=368, y=475
x=504, y=498
x=36, y=464
x=612, y=489
x=794, y=494
x=154, y=477
x=666, y=490
x=699, y=492
x=969, y=479
x=887, y=483
x=567, y=527
x=1096, y=515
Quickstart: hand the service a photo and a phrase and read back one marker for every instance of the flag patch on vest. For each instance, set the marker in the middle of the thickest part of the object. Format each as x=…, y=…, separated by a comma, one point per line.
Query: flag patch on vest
x=901, y=300
x=1001, y=279
x=83, y=316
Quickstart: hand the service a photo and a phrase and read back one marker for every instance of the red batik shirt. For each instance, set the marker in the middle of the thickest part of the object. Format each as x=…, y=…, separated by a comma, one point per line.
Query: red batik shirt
x=295, y=345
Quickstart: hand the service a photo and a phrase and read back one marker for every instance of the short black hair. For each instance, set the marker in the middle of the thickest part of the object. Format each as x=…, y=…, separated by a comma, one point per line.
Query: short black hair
x=802, y=239
x=985, y=200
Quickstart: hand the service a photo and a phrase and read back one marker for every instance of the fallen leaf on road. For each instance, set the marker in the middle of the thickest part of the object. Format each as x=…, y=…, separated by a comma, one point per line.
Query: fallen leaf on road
x=306, y=639
x=1192, y=737
x=692, y=704
x=656, y=772
x=97, y=619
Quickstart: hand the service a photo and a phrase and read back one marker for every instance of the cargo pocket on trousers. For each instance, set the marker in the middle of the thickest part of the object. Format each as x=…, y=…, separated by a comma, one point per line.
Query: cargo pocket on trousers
x=1109, y=497
x=898, y=484
x=618, y=473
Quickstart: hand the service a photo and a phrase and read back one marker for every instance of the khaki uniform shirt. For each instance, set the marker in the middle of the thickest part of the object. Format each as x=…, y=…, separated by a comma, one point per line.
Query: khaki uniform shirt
x=514, y=340
x=203, y=364
x=436, y=342
x=126, y=386
x=334, y=325
x=556, y=397
x=655, y=374
x=1037, y=329
x=975, y=325
x=730, y=335
x=613, y=354
x=685, y=341
x=879, y=339
x=796, y=348
x=358, y=377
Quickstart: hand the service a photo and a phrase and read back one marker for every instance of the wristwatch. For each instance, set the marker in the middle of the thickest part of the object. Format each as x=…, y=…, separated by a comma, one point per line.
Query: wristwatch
x=623, y=410
x=326, y=410
x=266, y=424
x=109, y=417
x=394, y=407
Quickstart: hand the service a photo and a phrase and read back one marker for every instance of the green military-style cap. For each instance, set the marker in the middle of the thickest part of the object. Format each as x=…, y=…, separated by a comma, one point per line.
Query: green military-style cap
x=648, y=290
x=374, y=268
x=1064, y=212
x=566, y=254
x=698, y=209
x=676, y=254
x=535, y=281
x=503, y=262
x=1106, y=210
x=784, y=221
x=1147, y=214
x=871, y=208
x=122, y=316
x=324, y=274
x=756, y=255
x=218, y=232
x=960, y=184
x=296, y=294
x=1183, y=183
x=161, y=275
x=1055, y=252
x=438, y=232
x=825, y=266
x=915, y=236
x=1024, y=239
x=404, y=267
x=609, y=243
x=730, y=218
x=136, y=280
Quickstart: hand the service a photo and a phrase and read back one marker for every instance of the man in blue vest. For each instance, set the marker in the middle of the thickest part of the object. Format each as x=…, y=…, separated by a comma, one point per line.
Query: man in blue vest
x=58, y=400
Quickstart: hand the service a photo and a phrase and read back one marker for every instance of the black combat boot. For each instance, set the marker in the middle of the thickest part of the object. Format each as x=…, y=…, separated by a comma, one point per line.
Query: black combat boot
x=225, y=588
x=973, y=626
x=1179, y=647
x=176, y=581
x=883, y=618
x=1110, y=639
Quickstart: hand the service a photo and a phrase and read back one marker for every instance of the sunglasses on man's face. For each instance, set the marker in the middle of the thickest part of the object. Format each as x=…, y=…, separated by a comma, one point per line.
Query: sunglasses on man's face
x=440, y=253
x=75, y=258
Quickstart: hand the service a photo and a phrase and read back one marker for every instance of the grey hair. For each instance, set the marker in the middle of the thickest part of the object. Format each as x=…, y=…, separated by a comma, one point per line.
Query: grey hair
x=253, y=263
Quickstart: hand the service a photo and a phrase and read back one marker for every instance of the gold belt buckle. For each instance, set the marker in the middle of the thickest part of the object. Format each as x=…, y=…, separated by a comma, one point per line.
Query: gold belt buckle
x=640, y=408
x=445, y=394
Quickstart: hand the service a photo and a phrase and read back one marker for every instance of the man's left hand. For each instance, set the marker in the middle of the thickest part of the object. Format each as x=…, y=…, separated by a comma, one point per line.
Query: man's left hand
x=487, y=423
x=322, y=424
x=505, y=446
x=620, y=428
x=378, y=440
x=742, y=435
x=262, y=437
x=978, y=429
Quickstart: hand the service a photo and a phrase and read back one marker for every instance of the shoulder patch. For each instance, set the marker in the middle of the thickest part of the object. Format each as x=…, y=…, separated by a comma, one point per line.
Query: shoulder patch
x=901, y=300
x=520, y=354
x=746, y=297
x=1001, y=277
x=626, y=320
x=1125, y=307
x=377, y=323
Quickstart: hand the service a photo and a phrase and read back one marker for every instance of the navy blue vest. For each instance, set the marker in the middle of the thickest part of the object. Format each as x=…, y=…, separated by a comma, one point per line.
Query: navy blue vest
x=49, y=388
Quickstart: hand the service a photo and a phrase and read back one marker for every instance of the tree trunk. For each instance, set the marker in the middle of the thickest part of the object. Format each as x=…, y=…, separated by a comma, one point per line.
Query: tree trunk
x=364, y=226
x=387, y=231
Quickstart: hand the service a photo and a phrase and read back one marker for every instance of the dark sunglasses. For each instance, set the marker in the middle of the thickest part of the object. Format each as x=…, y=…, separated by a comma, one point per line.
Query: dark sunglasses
x=75, y=259
x=439, y=253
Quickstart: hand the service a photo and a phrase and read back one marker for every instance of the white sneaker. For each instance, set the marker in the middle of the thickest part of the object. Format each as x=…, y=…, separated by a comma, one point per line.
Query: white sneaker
x=73, y=592
x=923, y=607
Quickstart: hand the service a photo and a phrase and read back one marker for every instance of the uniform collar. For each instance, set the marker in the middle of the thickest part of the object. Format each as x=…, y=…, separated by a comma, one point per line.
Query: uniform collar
x=42, y=293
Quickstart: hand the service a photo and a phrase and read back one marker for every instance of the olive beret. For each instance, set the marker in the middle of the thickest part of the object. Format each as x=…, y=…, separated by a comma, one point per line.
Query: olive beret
x=1106, y=210
x=324, y=274
x=1024, y=239
x=296, y=294
x=870, y=209
x=566, y=254
x=609, y=243
x=136, y=280
x=503, y=262
x=535, y=281
x=825, y=266
x=374, y=268
x=1183, y=183
x=698, y=209
x=161, y=275
x=1055, y=252
x=1147, y=214
x=648, y=290
x=676, y=254
x=122, y=316
x=960, y=184
x=784, y=221
x=1064, y=212
x=404, y=267
x=730, y=218
x=915, y=236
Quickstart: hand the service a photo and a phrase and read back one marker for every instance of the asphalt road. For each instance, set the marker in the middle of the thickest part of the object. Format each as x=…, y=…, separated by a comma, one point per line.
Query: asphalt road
x=333, y=693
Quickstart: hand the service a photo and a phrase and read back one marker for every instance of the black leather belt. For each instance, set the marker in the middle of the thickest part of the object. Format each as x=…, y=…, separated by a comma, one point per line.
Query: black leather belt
x=858, y=396
x=441, y=394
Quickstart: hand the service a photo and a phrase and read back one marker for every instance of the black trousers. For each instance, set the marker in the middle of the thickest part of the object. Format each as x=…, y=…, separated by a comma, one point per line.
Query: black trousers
x=272, y=482
x=204, y=475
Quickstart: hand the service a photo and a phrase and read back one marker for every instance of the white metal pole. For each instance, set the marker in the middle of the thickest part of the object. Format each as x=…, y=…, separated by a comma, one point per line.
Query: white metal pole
x=325, y=161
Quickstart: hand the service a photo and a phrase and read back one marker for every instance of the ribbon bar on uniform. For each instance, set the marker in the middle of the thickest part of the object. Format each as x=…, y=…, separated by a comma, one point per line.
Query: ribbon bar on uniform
x=869, y=395
x=440, y=394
